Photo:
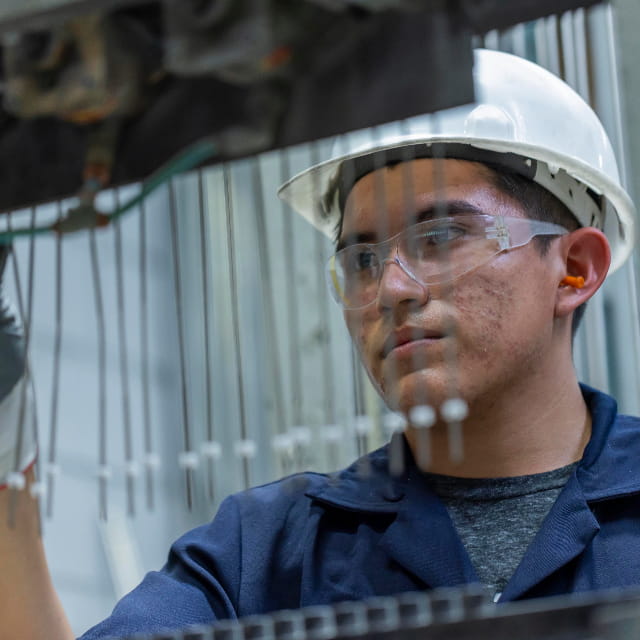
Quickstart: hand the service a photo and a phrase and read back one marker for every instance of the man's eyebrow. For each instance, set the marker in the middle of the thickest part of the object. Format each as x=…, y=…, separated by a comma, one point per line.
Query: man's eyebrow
x=444, y=209
x=436, y=210
x=364, y=237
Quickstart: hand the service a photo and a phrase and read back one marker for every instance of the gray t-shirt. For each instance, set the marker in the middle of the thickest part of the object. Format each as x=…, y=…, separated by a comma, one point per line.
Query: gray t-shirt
x=497, y=518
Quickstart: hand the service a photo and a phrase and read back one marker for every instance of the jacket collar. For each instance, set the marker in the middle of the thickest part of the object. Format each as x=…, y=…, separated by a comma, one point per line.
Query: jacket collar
x=422, y=537
x=366, y=485
x=607, y=469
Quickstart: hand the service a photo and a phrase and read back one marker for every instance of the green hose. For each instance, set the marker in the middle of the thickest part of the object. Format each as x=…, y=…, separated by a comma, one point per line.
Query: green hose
x=190, y=158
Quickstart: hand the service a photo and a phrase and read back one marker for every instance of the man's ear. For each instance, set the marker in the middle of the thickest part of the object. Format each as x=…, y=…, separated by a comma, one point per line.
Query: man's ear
x=587, y=257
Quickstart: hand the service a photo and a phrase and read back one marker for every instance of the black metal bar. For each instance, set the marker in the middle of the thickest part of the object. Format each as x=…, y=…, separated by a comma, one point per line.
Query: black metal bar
x=16, y=15
x=485, y=15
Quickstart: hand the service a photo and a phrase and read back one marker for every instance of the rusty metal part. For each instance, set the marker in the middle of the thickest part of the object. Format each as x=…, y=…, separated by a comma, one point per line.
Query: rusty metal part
x=79, y=72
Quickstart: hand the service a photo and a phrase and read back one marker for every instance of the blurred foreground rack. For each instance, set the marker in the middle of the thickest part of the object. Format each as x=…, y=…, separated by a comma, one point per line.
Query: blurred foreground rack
x=126, y=84
x=443, y=614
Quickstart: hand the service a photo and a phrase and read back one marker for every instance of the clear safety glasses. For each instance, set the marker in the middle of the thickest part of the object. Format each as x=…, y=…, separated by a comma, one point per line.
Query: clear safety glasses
x=432, y=252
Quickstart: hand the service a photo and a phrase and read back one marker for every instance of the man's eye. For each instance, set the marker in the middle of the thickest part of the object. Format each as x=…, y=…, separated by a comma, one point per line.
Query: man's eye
x=362, y=259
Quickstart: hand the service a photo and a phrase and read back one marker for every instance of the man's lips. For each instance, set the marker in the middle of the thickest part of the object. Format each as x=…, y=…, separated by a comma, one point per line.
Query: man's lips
x=407, y=335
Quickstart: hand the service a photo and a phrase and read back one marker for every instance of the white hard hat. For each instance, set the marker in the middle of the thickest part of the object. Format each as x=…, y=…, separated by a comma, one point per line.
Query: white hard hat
x=524, y=118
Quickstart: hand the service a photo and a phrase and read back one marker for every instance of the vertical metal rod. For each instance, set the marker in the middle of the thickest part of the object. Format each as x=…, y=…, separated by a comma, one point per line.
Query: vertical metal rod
x=287, y=451
x=177, y=271
x=603, y=17
x=26, y=315
x=568, y=42
x=519, y=40
x=103, y=469
x=328, y=388
x=297, y=399
x=124, y=370
x=323, y=307
x=266, y=282
x=331, y=417
x=540, y=50
x=421, y=401
x=360, y=415
x=144, y=359
x=349, y=178
x=358, y=401
x=555, y=57
x=382, y=223
x=36, y=487
x=396, y=449
x=55, y=375
x=583, y=66
x=454, y=425
x=235, y=315
x=206, y=288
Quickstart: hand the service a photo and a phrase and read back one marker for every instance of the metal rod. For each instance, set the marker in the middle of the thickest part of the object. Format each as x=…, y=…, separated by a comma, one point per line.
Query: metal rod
x=360, y=415
x=297, y=399
x=186, y=427
x=454, y=423
x=103, y=469
x=358, y=395
x=235, y=316
x=124, y=370
x=206, y=305
x=267, y=288
x=55, y=374
x=396, y=449
x=323, y=305
x=144, y=359
x=26, y=314
x=420, y=360
x=36, y=486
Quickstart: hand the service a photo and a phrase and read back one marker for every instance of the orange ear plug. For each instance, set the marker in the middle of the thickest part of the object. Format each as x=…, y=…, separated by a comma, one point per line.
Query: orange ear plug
x=573, y=281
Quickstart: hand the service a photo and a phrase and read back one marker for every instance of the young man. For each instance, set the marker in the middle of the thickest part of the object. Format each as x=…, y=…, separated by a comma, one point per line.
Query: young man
x=462, y=257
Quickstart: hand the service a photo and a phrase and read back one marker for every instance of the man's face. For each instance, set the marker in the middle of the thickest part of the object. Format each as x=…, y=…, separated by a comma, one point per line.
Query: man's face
x=478, y=337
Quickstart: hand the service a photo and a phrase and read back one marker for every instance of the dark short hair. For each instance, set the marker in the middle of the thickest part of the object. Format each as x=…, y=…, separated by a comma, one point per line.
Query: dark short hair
x=538, y=204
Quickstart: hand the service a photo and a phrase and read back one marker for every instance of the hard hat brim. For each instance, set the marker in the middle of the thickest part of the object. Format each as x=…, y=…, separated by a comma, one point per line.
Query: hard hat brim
x=314, y=193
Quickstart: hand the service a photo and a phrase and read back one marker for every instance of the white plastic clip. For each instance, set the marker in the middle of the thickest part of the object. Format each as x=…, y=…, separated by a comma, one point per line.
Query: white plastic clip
x=16, y=481
x=454, y=410
x=188, y=460
x=245, y=449
x=394, y=423
x=282, y=443
x=211, y=449
x=38, y=490
x=131, y=469
x=363, y=425
x=422, y=416
x=52, y=469
x=332, y=433
x=151, y=460
x=104, y=472
x=301, y=435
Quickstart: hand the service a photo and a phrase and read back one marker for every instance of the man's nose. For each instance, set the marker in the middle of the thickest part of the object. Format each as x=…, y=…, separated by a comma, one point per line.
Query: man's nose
x=398, y=285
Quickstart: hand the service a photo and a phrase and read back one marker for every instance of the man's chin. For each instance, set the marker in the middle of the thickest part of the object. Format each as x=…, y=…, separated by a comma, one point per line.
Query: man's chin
x=417, y=389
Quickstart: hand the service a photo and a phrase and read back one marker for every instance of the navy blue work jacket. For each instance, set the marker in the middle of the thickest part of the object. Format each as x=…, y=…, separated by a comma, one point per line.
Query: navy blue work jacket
x=316, y=539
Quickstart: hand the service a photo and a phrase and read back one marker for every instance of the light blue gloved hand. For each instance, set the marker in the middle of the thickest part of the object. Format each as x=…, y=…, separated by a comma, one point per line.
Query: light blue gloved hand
x=18, y=442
